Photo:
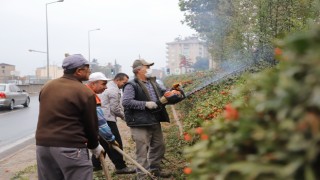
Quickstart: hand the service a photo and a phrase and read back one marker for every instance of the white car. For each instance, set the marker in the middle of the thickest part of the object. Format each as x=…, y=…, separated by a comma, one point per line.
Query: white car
x=11, y=95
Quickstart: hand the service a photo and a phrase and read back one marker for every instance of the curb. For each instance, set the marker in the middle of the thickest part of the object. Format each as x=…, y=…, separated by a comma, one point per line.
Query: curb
x=12, y=150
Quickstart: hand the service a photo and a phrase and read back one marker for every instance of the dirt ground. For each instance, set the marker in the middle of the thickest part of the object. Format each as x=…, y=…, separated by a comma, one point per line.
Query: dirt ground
x=18, y=162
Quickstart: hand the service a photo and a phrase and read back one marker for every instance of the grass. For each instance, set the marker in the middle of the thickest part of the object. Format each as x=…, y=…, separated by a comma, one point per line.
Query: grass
x=25, y=173
x=174, y=160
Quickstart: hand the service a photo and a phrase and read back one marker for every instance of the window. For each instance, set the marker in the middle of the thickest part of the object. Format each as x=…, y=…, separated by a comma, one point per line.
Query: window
x=11, y=88
x=14, y=88
x=17, y=88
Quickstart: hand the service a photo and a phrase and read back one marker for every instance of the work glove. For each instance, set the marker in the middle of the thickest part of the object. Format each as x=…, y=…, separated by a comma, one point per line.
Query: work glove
x=151, y=105
x=97, y=151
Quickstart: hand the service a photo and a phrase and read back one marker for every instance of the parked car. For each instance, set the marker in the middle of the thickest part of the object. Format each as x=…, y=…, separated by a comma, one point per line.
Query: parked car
x=11, y=95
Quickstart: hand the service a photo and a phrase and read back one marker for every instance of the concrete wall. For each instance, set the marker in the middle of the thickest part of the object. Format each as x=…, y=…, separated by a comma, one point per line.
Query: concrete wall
x=31, y=88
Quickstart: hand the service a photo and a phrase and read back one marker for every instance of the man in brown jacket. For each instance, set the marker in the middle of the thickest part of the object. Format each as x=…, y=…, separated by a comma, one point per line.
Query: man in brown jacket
x=67, y=124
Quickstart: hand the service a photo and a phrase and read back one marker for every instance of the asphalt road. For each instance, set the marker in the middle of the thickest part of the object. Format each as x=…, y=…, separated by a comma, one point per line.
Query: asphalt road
x=17, y=127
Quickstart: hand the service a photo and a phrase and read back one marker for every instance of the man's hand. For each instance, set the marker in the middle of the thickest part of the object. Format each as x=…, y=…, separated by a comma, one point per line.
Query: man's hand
x=97, y=151
x=151, y=105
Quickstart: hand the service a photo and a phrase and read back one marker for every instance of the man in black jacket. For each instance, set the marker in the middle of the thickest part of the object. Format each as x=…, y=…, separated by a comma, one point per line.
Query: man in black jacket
x=143, y=114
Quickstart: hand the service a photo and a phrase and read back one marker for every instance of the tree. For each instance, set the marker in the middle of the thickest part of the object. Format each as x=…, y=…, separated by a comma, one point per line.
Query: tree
x=201, y=64
x=247, y=26
x=184, y=64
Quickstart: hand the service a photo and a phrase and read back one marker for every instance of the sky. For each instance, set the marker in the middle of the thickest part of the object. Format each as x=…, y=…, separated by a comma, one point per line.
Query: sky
x=128, y=29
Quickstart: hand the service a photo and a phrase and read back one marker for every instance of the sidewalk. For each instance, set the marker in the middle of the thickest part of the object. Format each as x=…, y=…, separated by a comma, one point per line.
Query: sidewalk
x=17, y=162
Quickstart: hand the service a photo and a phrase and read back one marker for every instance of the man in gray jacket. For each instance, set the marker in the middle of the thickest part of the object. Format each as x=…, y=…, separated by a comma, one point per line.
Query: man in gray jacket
x=112, y=108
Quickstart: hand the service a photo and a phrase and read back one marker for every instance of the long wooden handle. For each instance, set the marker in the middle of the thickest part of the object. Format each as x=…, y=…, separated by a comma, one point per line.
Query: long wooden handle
x=104, y=167
x=133, y=161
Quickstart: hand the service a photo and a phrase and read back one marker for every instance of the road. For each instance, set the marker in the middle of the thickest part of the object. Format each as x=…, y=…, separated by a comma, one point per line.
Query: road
x=18, y=126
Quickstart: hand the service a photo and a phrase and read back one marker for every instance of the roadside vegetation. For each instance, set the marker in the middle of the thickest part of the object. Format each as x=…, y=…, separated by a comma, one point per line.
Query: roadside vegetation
x=261, y=125
x=26, y=174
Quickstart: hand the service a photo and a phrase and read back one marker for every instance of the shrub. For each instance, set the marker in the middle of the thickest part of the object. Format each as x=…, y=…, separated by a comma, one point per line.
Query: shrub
x=276, y=132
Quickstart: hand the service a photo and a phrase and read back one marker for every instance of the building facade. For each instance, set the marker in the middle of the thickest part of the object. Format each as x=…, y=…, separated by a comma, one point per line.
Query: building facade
x=7, y=72
x=159, y=73
x=183, y=53
x=110, y=70
x=54, y=72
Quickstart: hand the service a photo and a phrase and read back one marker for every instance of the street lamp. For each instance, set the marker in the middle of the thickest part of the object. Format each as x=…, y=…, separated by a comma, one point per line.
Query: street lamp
x=31, y=50
x=48, y=35
x=89, y=40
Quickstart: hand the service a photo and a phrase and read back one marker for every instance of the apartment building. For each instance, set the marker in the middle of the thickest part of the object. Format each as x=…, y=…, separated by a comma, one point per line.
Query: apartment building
x=183, y=53
x=7, y=72
x=54, y=72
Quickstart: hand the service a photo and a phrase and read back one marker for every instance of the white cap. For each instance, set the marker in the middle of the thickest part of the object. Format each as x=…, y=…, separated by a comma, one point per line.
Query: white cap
x=97, y=76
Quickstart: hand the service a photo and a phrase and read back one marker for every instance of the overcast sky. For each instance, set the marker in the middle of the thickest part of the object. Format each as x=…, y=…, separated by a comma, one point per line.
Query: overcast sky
x=129, y=28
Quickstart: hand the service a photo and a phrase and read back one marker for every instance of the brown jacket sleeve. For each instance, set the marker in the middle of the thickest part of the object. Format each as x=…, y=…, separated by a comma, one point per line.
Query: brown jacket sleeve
x=91, y=123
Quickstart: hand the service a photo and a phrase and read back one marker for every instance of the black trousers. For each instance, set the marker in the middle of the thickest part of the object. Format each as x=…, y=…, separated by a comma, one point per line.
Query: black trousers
x=115, y=156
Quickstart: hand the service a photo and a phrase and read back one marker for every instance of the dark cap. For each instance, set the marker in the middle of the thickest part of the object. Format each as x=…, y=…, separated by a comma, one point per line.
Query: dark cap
x=74, y=61
x=141, y=62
